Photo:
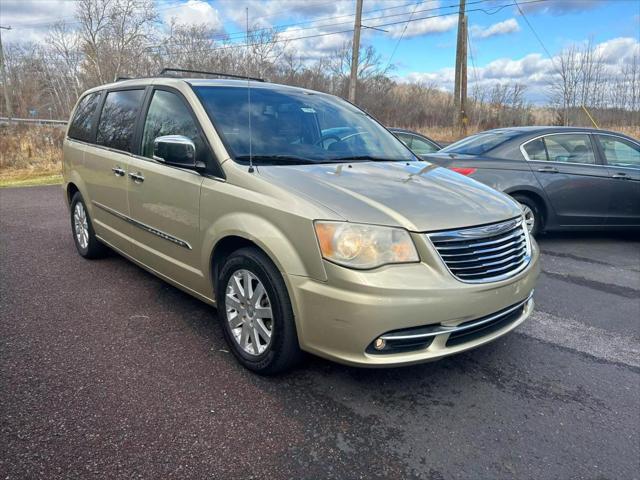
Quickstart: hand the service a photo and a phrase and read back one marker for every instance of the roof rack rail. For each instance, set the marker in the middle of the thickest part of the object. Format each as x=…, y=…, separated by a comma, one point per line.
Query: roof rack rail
x=202, y=72
x=121, y=79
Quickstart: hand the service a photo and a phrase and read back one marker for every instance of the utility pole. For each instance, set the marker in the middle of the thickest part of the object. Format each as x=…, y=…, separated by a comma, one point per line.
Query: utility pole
x=5, y=80
x=355, y=52
x=463, y=78
x=461, y=66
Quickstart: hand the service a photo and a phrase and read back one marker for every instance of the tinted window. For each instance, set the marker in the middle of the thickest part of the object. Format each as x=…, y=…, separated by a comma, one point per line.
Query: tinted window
x=570, y=148
x=118, y=119
x=422, y=147
x=84, y=118
x=620, y=152
x=297, y=126
x=168, y=115
x=535, y=149
x=480, y=143
x=404, y=138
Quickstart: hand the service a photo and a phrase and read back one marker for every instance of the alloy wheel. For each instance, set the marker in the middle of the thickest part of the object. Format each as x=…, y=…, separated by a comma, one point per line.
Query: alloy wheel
x=248, y=311
x=529, y=217
x=81, y=225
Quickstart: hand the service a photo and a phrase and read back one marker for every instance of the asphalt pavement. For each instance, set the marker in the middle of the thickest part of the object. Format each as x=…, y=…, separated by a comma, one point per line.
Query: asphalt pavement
x=108, y=372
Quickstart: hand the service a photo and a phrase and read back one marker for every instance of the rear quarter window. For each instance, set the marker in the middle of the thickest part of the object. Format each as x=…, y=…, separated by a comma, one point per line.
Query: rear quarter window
x=118, y=119
x=84, y=118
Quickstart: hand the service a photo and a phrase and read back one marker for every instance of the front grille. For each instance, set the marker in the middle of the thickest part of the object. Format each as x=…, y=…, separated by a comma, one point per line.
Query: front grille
x=484, y=254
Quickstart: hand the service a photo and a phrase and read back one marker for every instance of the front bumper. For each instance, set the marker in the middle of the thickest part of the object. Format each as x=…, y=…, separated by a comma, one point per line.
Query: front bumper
x=339, y=319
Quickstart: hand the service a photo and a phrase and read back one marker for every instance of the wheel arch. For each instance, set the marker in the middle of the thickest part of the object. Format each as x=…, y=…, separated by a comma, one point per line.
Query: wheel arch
x=234, y=231
x=535, y=197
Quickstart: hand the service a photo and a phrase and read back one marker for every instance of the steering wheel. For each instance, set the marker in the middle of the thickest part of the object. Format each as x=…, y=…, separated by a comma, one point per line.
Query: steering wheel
x=338, y=139
x=355, y=134
x=328, y=137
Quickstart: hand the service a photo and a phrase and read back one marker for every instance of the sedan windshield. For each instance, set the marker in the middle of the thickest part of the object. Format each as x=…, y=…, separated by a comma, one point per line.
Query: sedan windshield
x=479, y=144
x=296, y=126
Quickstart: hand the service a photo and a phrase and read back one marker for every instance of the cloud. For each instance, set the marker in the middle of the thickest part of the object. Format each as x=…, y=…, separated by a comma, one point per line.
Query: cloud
x=265, y=13
x=194, y=12
x=534, y=70
x=425, y=27
x=30, y=19
x=560, y=7
x=618, y=51
x=500, y=28
x=315, y=47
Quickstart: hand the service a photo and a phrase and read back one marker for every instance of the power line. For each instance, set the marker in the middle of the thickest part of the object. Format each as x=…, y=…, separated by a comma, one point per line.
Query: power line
x=533, y=30
x=473, y=63
x=239, y=33
x=240, y=45
x=401, y=36
x=368, y=19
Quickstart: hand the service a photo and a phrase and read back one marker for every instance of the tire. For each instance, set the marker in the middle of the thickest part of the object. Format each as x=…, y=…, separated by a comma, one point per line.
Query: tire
x=243, y=323
x=531, y=208
x=87, y=244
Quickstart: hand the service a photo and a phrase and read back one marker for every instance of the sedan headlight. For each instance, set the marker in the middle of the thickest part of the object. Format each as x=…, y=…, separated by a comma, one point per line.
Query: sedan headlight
x=364, y=246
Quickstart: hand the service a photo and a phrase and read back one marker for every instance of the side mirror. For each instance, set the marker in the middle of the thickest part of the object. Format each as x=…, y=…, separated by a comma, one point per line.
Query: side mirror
x=175, y=150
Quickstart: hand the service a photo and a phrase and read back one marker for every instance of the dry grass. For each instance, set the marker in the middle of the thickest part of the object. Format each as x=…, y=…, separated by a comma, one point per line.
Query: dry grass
x=33, y=154
x=632, y=131
x=24, y=147
x=30, y=154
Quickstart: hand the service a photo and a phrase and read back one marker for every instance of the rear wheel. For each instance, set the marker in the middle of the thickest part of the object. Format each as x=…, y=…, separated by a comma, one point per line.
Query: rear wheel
x=532, y=216
x=84, y=237
x=256, y=313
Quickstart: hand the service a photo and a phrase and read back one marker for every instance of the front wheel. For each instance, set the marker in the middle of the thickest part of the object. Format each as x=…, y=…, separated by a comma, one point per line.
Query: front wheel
x=256, y=313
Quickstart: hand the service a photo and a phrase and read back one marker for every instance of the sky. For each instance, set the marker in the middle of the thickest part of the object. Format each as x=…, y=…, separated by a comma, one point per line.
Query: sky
x=506, y=44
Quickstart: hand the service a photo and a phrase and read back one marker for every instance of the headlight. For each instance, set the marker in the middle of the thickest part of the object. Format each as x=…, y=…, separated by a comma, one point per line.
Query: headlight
x=364, y=246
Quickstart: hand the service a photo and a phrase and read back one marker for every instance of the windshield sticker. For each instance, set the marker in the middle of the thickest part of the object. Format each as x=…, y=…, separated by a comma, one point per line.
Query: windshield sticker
x=307, y=109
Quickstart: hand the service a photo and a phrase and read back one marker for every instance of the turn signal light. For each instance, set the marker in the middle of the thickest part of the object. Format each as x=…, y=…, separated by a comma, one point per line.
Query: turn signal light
x=464, y=170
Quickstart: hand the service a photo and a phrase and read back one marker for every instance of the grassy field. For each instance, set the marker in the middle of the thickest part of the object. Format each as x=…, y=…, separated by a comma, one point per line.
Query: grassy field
x=27, y=178
x=32, y=155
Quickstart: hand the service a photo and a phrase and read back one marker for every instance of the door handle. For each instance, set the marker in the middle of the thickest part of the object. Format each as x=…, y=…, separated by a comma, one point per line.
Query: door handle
x=548, y=170
x=118, y=171
x=621, y=176
x=136, y=177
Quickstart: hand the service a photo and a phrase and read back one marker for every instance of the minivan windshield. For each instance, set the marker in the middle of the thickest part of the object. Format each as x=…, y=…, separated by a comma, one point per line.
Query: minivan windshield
x=296, y=126
x=479, y=144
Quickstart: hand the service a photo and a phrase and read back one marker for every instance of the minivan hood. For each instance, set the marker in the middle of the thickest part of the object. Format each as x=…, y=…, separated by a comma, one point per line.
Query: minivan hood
x=418, y=196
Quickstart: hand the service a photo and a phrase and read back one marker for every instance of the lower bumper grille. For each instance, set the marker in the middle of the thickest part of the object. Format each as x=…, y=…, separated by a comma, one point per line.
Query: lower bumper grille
x=470, y=334
x=420, y=338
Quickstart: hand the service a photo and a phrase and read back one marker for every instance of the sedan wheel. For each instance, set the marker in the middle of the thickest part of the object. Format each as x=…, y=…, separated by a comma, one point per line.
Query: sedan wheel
x=248, y=311
x=529, y=218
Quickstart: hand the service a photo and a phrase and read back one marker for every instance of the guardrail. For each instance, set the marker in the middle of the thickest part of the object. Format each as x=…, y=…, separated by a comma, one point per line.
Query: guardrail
x=33, y=121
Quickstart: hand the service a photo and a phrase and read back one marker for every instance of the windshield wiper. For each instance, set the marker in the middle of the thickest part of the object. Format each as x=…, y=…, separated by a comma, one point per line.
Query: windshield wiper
x=276, y=159
x=363, y=158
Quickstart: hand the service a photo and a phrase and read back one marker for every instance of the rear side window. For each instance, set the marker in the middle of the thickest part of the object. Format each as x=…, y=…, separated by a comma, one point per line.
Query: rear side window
x=535, y=150
x=570, y=148
x=620, y=152
x=84, y=118
x=422, y=147
x=404, y=138
x=118, y=119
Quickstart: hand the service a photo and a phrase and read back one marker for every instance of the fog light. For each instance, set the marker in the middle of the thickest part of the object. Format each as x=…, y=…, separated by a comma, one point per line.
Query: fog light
x=380, y=343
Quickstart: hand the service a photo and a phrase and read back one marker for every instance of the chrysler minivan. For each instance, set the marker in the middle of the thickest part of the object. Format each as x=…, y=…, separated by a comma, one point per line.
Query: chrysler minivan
x=349, y=247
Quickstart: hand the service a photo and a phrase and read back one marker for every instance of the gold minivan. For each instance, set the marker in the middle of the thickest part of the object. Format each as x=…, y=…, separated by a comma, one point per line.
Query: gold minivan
x=304, y=221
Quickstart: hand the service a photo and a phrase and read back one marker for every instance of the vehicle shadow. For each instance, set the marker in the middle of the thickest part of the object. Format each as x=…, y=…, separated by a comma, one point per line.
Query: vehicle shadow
x=612, y=235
